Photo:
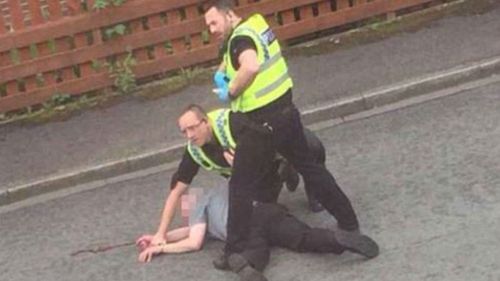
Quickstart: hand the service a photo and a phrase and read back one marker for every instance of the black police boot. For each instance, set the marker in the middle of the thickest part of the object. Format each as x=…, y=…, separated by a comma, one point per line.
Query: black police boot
x=314, y=204
x=354, y=241
x=288, y=175
x=238, y=264
x=220, y=262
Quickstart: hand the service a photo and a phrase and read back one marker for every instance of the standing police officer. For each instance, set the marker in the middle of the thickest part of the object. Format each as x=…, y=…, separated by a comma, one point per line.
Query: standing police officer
x=254, y=78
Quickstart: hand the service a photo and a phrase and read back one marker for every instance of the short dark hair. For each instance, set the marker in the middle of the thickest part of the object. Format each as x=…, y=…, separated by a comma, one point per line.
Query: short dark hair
x=196, y=109
x=224, y=5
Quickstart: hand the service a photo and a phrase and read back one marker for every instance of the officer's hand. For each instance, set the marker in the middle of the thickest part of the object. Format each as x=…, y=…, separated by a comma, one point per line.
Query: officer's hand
x=222, y=94
x=229, y=156
x=221, y=82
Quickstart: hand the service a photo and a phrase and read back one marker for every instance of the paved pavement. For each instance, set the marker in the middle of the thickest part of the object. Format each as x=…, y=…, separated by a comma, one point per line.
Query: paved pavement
x=424, y=181
x=35, y=153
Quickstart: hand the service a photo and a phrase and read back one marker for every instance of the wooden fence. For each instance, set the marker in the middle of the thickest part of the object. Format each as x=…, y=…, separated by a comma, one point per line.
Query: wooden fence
x=55, y=47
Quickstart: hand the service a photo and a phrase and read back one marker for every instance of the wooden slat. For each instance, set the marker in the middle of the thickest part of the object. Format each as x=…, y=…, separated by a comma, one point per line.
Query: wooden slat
x=85, y=67
x=306, y=12
x=3, y=28
x=178, y=45
x=271, y=20
x=324, y=7
x=287, y=17
x=140, y=54
x=35, y=12
x=63, y=46
x=4, y=59
x=90, y=5
x=55, y=11
x=342, y=4
x=12, y=88
x=359, y=2
x=192, y=14
x=16, y=15
x=30, y=83
x=74, y=7
x=43, y=49
x=24, y=54
x=97, y=36
x=49, y=79
x=67, y=74
x=155, y=22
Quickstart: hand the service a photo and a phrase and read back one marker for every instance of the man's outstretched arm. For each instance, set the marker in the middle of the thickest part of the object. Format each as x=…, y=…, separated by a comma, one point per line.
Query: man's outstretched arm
x=193, y=242
x=166, y=216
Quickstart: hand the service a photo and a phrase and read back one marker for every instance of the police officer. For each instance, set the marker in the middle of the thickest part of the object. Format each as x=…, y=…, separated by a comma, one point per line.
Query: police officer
x=254, y=78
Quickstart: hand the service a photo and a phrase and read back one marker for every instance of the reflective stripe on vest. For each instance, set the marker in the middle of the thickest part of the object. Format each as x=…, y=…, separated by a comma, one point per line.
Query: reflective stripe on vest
x=219, y=120
x=273, y=79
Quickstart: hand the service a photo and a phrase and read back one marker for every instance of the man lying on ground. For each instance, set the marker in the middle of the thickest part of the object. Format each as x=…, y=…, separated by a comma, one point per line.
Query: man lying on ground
x=271, y=225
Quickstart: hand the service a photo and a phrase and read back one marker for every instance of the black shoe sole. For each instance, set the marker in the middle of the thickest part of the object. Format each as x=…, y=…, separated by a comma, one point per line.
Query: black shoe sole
x=249, y=273
x=359, y=244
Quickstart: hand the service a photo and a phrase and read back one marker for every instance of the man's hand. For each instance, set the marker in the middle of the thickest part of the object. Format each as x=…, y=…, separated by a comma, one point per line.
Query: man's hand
x=221, y=82
x=148, y=253
x=229, y=156
x=143, y=242
x=147, y=240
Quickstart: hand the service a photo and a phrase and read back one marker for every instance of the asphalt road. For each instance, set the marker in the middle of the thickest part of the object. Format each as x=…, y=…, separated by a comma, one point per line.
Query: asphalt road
x=424, y=181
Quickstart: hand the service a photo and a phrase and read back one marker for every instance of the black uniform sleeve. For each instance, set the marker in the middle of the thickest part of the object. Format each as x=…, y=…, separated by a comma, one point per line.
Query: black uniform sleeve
x=239, y=44
x=186, y=171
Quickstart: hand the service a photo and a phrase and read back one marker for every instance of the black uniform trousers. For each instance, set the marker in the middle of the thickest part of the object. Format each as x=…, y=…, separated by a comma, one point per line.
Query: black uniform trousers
x=253, y=177
x=253, y=162
x=273, y=226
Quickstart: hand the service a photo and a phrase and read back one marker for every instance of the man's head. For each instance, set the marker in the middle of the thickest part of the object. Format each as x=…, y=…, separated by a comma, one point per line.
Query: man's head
x=194, y=125
x=220, y=17
x=188, y=201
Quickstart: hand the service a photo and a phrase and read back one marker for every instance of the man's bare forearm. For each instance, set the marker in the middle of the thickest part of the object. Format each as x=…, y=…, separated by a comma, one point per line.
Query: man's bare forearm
x=193, y=241
x=182, y=246
x=178, y=234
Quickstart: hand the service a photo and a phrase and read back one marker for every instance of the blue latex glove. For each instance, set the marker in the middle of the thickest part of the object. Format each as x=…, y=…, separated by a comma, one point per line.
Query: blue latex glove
x=221, y=82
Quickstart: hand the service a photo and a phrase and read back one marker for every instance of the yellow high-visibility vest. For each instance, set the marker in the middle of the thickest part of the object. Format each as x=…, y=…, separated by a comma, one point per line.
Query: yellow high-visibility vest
x=273, y=79
x=219, y=121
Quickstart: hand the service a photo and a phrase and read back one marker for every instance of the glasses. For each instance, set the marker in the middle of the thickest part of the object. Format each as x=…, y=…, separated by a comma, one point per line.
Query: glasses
x=192, y=128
